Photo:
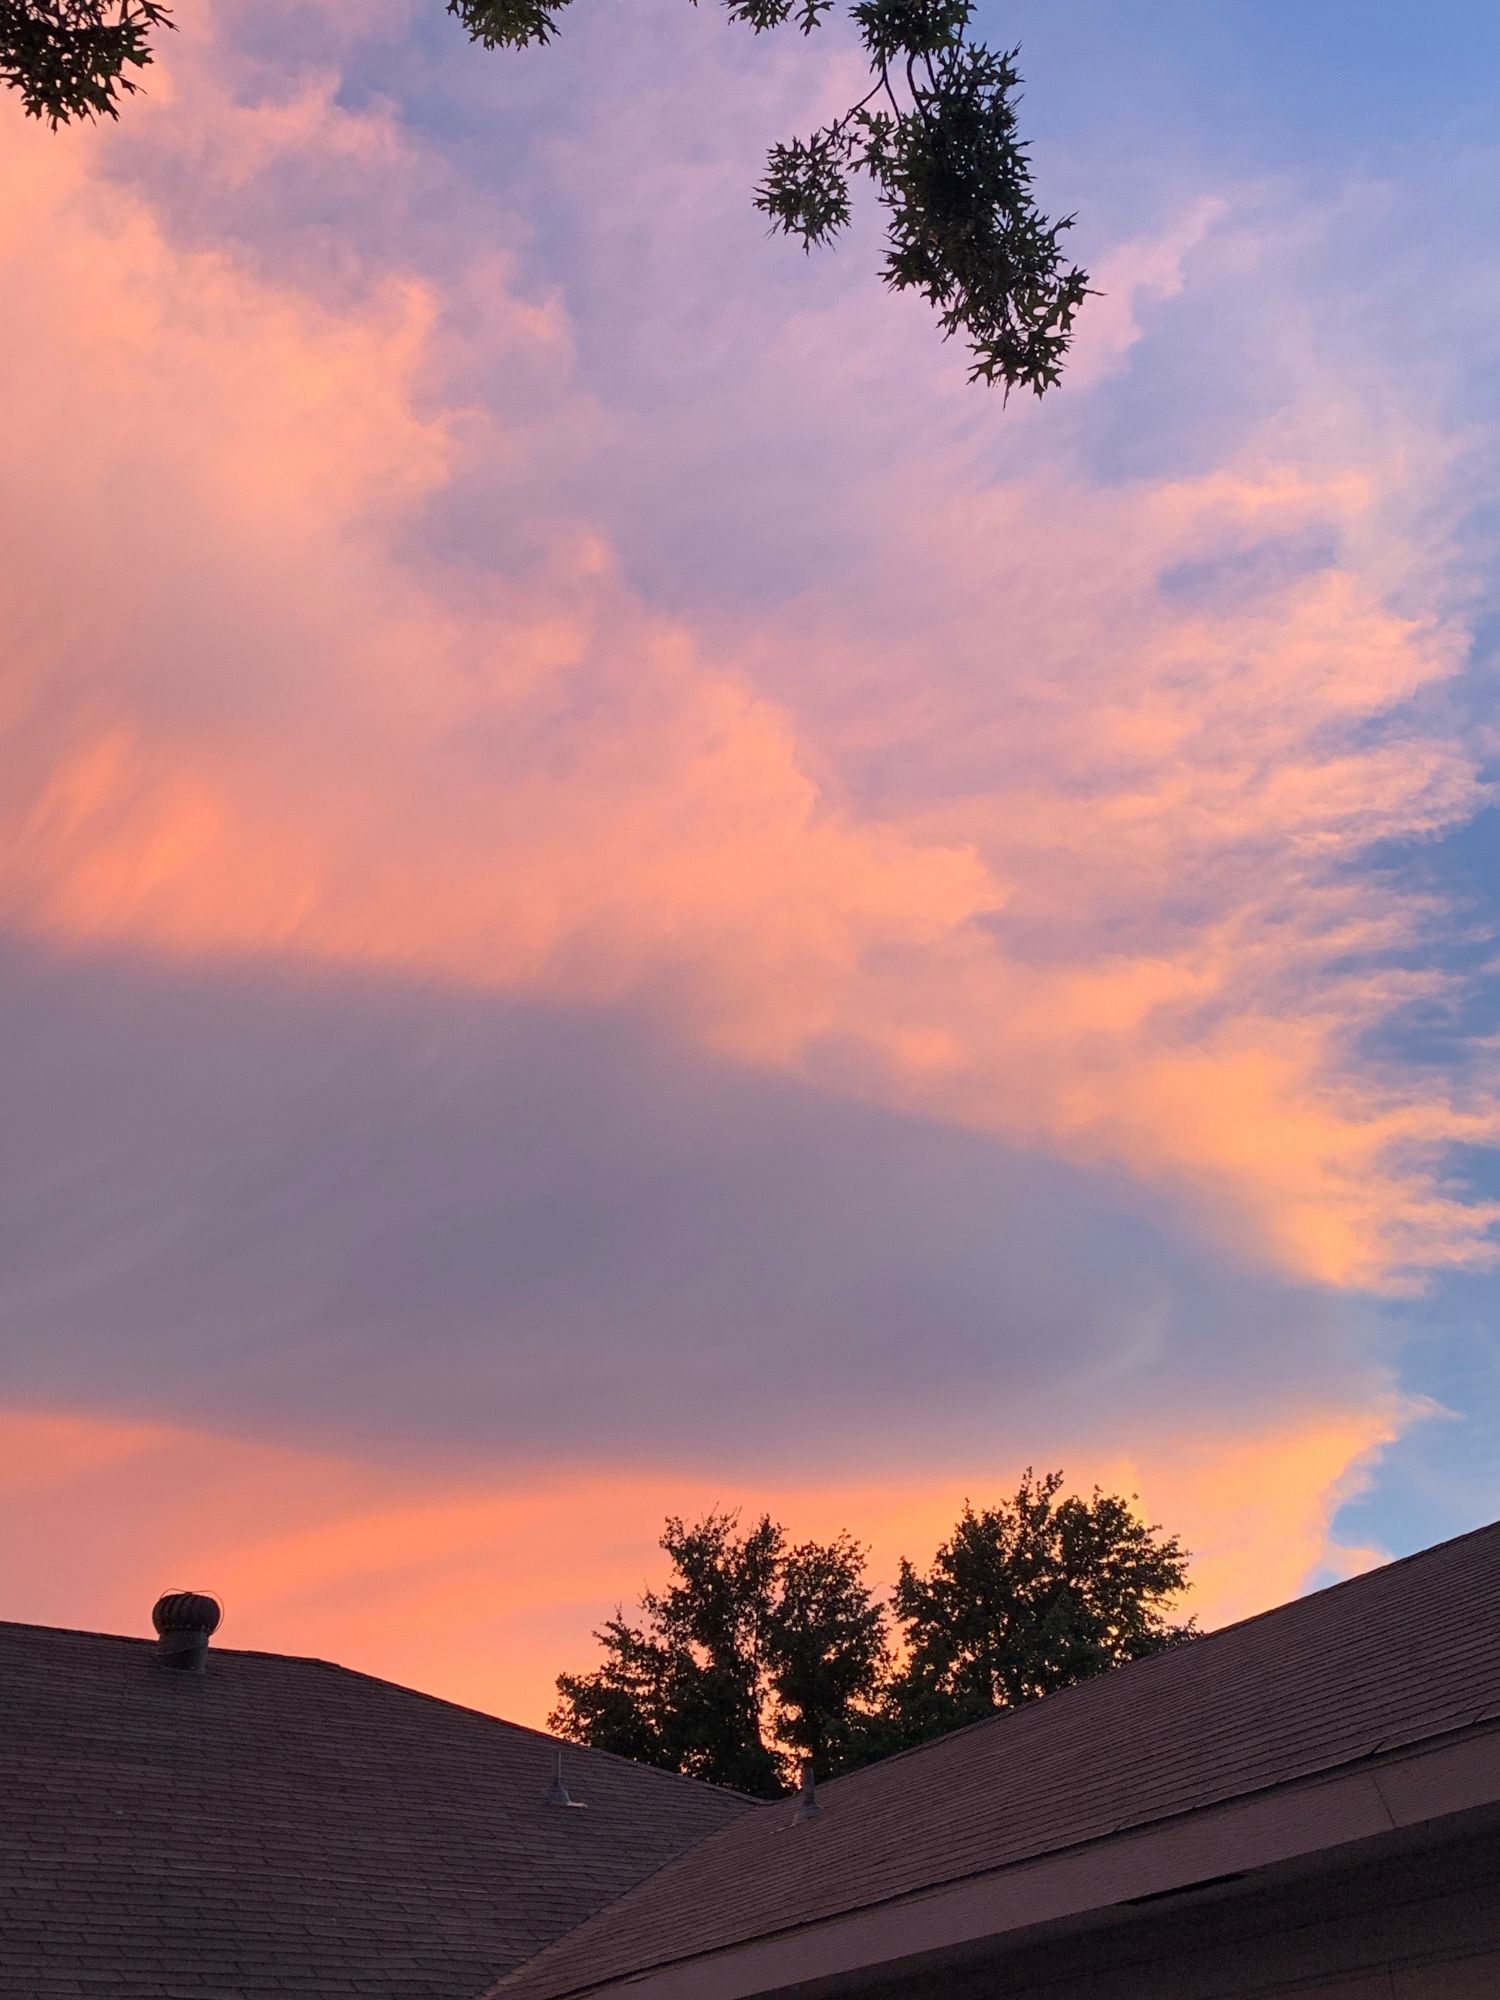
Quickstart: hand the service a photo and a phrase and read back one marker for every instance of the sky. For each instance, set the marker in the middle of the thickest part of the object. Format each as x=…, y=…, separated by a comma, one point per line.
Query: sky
x=619, y=894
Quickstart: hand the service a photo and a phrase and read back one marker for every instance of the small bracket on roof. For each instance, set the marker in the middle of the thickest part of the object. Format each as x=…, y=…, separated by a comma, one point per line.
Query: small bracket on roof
x=557, y=1794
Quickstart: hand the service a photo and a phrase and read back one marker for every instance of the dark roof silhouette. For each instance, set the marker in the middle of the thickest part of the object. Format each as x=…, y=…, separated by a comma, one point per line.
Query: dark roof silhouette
x=281, y=1827
x=1400, y=1656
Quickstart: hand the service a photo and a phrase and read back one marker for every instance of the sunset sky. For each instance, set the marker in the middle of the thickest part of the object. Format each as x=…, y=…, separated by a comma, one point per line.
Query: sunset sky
x=617, y=893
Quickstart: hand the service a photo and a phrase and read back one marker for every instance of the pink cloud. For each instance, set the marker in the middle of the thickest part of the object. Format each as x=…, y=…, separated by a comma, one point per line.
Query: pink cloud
x=264, y=728
x=1133, y=277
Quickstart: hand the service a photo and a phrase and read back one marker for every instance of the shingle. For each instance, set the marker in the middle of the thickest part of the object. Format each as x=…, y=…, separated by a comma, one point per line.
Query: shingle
x=281, y=1828
x=1396, y=1657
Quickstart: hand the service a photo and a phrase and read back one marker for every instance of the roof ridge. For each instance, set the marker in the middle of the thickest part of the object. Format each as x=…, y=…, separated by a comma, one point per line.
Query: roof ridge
x=82, y=1632
x=397, y=1687
x=1108, y=1675
x=521, y=1728
x=1360, y=1577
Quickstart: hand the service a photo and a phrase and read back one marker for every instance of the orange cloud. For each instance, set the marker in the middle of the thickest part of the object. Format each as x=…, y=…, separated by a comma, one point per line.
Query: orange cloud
x=482, y=1588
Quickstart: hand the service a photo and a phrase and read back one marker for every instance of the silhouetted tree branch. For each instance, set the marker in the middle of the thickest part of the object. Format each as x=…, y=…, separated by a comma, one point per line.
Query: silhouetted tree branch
x=935, y=135
x=73, y=58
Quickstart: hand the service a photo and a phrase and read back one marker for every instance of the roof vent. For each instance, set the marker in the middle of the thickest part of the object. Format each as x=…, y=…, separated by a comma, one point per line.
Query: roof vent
x=185, y=1621
x=557, y=1791
x=807, y=1793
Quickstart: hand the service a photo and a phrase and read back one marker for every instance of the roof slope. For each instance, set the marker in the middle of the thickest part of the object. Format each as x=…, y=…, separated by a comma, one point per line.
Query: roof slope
x=281, y=1827
x=1395, y=1657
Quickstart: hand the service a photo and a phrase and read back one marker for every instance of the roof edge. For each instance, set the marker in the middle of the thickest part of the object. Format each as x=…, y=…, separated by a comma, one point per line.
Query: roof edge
x=1205, y=1638
x=1342, y=1805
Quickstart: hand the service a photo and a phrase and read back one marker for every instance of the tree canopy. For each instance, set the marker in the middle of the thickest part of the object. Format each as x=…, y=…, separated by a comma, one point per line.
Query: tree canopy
x=759, y=1653
x=935, y=135
x=1025, y=1598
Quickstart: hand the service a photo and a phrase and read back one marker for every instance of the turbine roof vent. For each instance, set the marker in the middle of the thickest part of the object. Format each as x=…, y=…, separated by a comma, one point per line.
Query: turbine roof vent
x=185, y=1621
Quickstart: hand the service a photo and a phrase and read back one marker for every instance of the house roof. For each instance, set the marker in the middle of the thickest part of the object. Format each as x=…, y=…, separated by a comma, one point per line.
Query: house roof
x=282, y=1827
x=1398, y=1657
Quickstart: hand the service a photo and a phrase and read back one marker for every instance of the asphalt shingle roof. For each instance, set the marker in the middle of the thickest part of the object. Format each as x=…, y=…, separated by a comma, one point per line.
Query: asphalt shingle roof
x=1392, y=1658
x=281, y=1827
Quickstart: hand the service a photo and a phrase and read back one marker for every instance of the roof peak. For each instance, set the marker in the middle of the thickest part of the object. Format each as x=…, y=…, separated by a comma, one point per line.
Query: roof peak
x=361, y=1674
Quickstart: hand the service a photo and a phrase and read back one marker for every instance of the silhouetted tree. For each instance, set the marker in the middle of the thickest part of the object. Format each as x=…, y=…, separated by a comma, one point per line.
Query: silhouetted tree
x=1023, y=1599
x=759, y=1654
x=935, y=134
x=755, y=1655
